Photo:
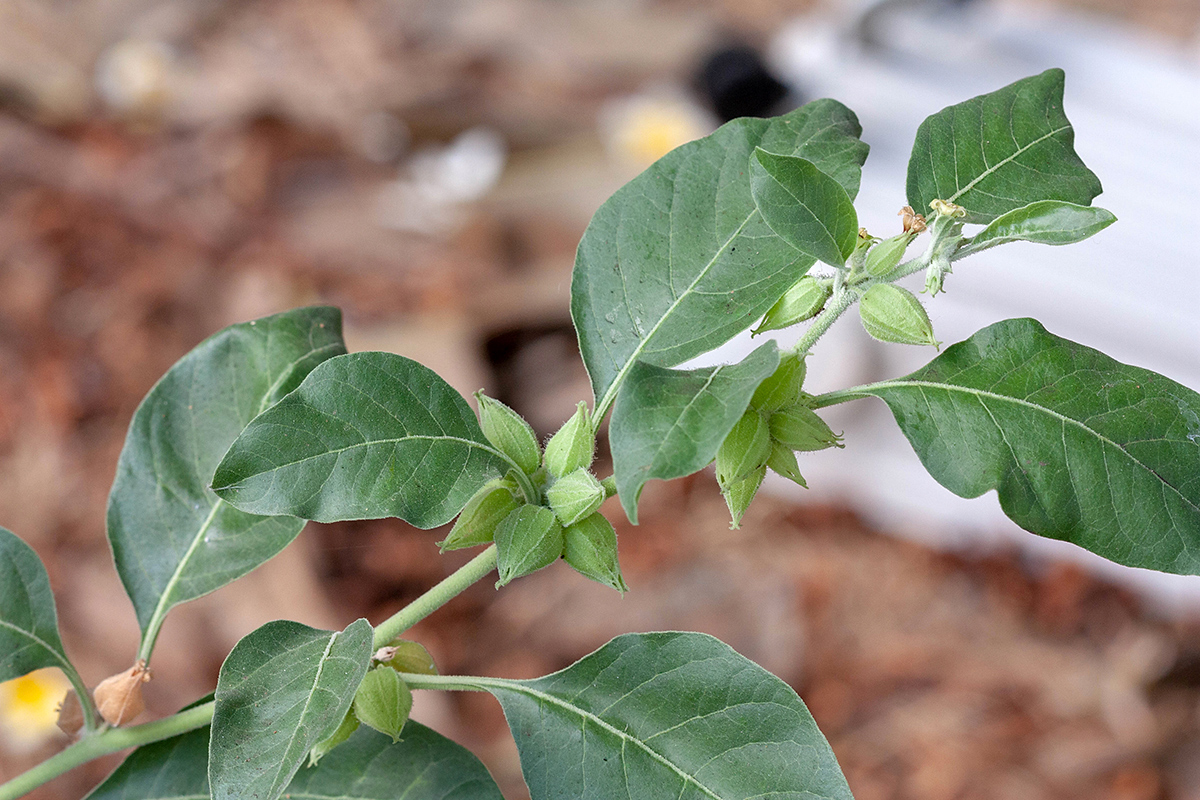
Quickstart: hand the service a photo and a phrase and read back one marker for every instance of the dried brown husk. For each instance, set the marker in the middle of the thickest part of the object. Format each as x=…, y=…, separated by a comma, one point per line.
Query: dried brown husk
x=70, y=714
x=119, y=698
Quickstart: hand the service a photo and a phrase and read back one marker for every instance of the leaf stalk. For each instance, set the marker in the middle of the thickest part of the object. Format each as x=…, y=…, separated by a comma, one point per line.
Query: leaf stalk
x=441, y=593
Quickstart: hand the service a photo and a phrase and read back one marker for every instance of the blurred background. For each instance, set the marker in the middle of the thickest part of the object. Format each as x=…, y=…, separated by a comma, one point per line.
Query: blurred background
x=169, y=167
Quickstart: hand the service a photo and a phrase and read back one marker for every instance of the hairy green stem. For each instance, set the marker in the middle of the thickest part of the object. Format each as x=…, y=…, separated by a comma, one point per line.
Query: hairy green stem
x=841, y=396
x=101, y=744
x=836, y=306
x=435, y=598
x=449, y=683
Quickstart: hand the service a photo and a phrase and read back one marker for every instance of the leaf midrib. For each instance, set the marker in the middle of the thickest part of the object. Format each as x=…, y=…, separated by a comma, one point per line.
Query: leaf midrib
x=164, y=604
x=371, y=443
x=870, y=389
x=1002, y=162
x=35, y=638
x=275, y=788
x=620, y=734
x=610, y=393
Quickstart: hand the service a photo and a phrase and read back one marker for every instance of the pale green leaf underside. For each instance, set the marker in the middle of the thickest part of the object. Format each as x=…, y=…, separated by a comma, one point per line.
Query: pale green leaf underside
x=29, y=637
x=1050, y=222
x=366, y=435
x=282, y=689
x=1000, y=151
x=679, y=260
x=172, y=538
x=805, y=207
x=669, y=423
x=423, y=765
x=666, y=715
x=1078, y=446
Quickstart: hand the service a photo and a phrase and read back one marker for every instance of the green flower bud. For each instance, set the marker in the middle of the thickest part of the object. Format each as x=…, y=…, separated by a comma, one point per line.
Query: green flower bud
x=348, y=726
x=783, y=462
x=803, y=301
x=404, y=655
x=527, y=540
x=573, y=446
x=383, y=702
x=885, y=256
x=800, y=428
x=745, y=449
x=739, y=495
x=574, y=496
x=892, y=314
x=482, y=513
x=784, y=386
x=509, y=432
x=590, y=547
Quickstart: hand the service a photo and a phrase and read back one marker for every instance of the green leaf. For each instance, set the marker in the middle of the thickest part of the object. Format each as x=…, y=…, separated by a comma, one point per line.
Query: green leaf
x=366, y=435
x=1000, y=151
x=805, y=207
x=669, y=423
x=173, y=540
x=679, y=260
x=666, y=715
x=283, y=689
x=1043, y=222
x=173, y=769
x=423, y=764
x=1078, y=446
x=29, y=637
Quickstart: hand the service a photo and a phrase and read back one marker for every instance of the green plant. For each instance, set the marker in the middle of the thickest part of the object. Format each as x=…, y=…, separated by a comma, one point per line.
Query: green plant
x=270, y=423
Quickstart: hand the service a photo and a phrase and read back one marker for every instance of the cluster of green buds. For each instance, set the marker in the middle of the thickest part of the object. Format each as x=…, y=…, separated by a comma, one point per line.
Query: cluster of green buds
x=778, y=423
x=383, y=700
x=947, y=236
x=562, y=519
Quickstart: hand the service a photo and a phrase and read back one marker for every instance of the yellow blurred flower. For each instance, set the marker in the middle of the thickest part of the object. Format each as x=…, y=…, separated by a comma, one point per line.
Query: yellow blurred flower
x=29, y=708
x=643, y=128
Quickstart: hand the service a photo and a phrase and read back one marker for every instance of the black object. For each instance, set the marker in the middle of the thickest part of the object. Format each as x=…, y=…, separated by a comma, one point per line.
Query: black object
x=737, y=83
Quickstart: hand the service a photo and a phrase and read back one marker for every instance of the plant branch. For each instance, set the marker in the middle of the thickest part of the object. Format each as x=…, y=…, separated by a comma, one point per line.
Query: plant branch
x=101, y=744
x=442, y=593
x=841, y=300
x=841, y=396
x=91, y=720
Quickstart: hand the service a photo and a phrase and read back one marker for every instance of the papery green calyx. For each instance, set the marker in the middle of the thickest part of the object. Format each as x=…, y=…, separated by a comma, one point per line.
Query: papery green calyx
x=404, y=655
x=509, y=432
x=800, y=428
x=782, y=461
x=803, y=301
x=574, y=496
x=590, y=547
x=739, y=495
x=527, y=540
x=573, y=445
x=783, y=387
x=745, y=449
x=485, y=510
x=885, y=256
x=348, y=726
x=892, y=314
x=383, y=702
